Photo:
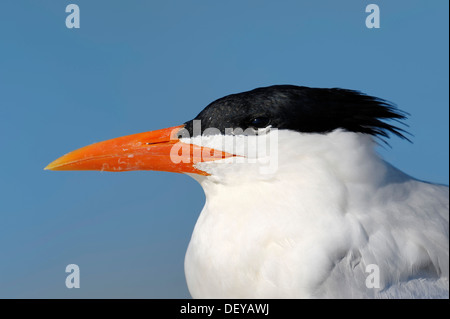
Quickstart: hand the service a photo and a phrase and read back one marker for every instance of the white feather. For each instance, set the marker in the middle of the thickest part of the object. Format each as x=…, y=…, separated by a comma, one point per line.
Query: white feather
x=310, y=228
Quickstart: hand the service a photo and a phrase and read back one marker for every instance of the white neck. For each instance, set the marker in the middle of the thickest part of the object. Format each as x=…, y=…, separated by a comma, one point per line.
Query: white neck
x=282, y=234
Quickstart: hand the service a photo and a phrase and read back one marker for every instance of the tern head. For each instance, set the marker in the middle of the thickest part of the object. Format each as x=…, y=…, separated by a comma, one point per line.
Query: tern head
x=245, y=132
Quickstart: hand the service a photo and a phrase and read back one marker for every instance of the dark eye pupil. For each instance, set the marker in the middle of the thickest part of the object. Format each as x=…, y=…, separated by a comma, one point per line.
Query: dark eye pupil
x=259, y=122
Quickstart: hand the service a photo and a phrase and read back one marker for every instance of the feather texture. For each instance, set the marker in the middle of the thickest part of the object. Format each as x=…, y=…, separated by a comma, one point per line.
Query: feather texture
x=311, y=228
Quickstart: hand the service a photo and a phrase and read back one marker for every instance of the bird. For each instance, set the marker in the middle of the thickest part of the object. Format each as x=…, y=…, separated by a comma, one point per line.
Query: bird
x=299, y=204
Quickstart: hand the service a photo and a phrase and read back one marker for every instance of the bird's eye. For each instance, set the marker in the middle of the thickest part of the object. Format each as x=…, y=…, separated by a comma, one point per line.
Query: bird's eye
x=260, y=122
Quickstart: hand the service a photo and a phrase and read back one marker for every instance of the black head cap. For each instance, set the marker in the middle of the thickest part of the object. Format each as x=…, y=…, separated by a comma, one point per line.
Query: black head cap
x=302, y=109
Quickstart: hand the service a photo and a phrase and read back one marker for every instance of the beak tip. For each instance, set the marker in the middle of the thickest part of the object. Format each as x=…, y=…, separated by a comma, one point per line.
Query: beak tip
x=51, y=167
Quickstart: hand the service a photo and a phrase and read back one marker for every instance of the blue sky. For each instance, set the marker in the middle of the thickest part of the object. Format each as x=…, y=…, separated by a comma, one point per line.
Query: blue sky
x=136, y=66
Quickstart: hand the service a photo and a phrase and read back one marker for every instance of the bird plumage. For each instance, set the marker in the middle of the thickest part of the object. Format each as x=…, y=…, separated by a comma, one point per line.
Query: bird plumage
x=310, y=229
x=303, y=109
x=332, y=208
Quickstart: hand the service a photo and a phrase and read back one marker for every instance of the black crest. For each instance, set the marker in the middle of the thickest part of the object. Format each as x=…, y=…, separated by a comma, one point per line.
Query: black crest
x=303, y=109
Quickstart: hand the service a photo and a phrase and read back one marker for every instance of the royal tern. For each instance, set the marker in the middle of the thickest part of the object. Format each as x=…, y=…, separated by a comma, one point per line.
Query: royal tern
x=298, y=202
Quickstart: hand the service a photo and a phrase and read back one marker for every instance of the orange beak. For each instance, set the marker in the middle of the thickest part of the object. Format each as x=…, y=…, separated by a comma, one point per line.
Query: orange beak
x=159, y=150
